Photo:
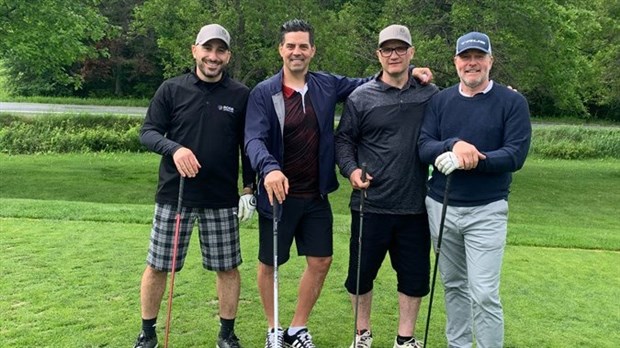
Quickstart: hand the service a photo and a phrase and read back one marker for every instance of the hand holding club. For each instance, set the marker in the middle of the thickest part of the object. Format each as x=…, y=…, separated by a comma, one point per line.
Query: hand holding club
x=447, y=162
x=276, y=185
x=186, y=162
x=360, y=179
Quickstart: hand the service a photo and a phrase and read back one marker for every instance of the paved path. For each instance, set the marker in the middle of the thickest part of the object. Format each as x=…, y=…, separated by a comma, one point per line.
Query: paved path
x=35, y=108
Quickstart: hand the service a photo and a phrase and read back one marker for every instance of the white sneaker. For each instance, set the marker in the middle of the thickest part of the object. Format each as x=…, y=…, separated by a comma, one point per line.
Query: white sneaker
x=412, y=343
x=363, y=341
x=270, y=336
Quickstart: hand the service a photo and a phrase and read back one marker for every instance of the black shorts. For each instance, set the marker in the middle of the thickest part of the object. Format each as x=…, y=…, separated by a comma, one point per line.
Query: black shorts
x=307, y=220
x=405, y=237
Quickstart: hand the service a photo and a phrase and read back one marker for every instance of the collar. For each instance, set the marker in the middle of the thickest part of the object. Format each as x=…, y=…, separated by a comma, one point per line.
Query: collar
x=224, y=81
x=384, y=86
x=288, y=91
x=486, y=90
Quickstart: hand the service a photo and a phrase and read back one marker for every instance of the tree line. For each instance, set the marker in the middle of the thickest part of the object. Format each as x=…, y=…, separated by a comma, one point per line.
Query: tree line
x=563, y=55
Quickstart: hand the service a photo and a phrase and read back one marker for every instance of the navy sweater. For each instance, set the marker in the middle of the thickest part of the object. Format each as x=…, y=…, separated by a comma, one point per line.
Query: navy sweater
x=496, y=123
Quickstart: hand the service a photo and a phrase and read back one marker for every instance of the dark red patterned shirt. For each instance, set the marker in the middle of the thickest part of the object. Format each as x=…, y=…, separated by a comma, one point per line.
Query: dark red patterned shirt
x=301, y=144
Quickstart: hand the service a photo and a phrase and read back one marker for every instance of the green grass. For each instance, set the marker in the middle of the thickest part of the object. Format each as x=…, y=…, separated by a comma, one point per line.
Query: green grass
x=572, y=120
x=74, y=233
x=102, y=177
x=568, y=204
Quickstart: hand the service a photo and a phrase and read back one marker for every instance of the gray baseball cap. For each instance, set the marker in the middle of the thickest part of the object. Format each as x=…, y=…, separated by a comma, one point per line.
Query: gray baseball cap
x=473, y=40
x=395, y=32
x=212, y=31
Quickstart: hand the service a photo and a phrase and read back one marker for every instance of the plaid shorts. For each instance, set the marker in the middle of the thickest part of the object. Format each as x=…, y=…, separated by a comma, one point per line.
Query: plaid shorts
x=219, y=237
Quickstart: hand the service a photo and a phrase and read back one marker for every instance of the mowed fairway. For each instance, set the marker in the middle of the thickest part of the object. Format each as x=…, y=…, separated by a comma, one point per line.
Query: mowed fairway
x=74, y=232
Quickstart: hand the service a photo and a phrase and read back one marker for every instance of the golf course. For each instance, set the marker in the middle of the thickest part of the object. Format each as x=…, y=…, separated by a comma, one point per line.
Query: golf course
x=74, y=231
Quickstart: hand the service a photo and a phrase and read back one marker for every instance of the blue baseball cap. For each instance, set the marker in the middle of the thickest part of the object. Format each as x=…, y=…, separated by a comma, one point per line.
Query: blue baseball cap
x=473, y=40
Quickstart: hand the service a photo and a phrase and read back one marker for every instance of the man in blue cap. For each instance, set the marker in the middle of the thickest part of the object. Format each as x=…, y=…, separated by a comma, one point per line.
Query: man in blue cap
x=478, y=132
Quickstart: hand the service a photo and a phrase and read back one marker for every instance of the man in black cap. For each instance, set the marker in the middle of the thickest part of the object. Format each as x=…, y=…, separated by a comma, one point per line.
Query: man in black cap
x=196, y=121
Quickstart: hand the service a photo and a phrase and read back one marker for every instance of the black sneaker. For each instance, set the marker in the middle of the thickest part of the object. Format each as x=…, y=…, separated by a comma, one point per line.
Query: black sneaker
x=145, y=342
x=301, y=339
x=229, y=342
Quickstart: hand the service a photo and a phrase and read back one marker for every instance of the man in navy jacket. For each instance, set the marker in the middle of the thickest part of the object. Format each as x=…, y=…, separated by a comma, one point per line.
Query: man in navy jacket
x=289, y=138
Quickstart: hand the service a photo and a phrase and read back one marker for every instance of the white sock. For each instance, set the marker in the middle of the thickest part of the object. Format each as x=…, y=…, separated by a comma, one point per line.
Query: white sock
x=293, y=330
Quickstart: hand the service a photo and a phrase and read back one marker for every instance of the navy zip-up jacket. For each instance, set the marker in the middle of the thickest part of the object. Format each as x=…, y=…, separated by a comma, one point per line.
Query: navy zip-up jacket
x=264, y=127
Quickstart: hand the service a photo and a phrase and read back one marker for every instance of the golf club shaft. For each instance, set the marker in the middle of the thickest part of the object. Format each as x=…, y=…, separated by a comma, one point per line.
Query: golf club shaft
x=359, y=255
x=175, y=249
x=444, y=209
x=276, y=205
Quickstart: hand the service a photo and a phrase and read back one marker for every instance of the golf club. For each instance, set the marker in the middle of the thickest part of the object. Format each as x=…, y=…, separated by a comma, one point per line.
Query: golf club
x=359, y=254
x=444, y=208
x=276, y=205
x=174, y=259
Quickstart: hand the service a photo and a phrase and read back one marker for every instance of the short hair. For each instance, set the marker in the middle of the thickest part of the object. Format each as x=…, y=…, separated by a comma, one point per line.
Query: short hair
x=295, y=25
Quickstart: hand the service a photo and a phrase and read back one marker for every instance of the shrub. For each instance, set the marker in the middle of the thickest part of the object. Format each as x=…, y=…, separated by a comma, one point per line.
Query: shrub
x=69, y=133
x=110, y=133
x=576, y=142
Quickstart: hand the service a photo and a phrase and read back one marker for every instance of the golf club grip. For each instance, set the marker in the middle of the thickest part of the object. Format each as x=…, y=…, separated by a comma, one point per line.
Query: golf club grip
x=447, y=190
x=180, y=198
x=444, y=209
x=363, y=172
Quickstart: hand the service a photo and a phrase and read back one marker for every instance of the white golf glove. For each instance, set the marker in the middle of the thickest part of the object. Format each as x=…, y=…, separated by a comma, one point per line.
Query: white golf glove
x=447, y=162
x=247, y=205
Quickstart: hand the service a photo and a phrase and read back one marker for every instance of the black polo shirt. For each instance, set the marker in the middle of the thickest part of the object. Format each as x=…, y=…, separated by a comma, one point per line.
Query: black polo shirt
x=209, y=120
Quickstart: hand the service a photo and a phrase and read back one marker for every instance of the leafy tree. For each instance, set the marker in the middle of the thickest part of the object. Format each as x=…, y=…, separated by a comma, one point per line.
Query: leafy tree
x=602, y=46
x=562, y=54
x=253, y=25
x=41, y=40
x=132, y=66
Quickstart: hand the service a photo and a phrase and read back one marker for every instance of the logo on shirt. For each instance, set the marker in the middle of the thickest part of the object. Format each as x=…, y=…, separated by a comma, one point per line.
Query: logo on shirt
x=226, y=108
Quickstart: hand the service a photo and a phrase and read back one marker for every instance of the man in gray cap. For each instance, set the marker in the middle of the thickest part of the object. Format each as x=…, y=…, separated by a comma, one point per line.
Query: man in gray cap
x=478, y=132
x=380, y=127
x=195, y=122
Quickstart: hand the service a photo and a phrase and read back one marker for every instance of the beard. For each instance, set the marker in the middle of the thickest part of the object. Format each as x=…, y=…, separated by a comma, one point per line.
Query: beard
x=473, y=83
x=211, y=72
